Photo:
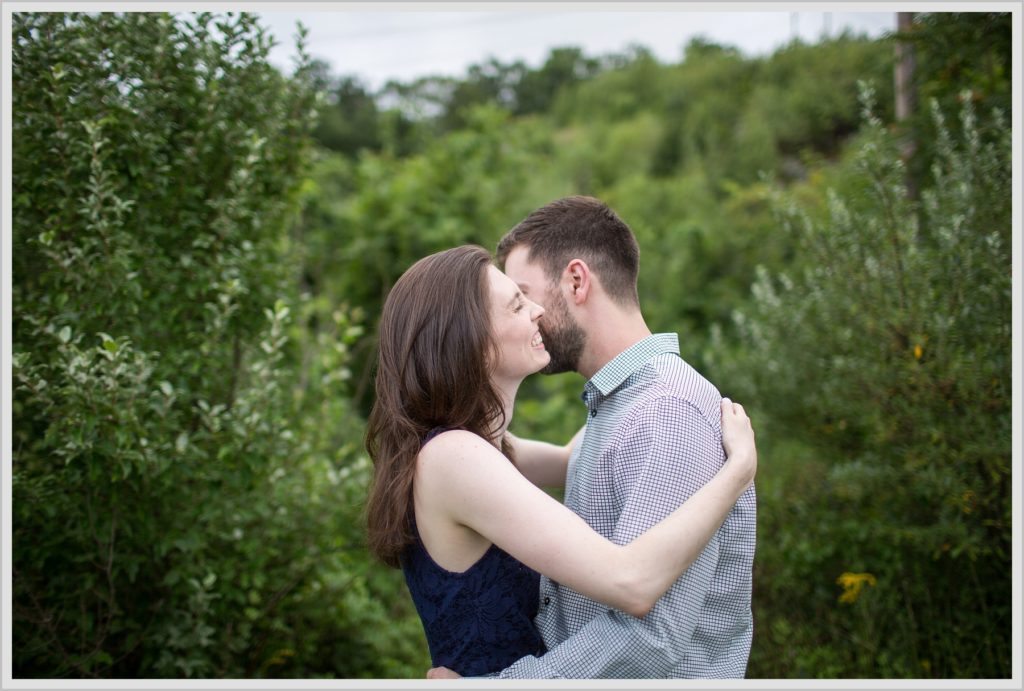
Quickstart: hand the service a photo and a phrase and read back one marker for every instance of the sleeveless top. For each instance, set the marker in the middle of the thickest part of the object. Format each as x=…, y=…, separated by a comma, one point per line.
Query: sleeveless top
x=478, y=621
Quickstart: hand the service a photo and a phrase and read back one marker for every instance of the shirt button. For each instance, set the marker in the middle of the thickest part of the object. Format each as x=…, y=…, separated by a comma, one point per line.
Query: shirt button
x=593, y=413
x=547, y=601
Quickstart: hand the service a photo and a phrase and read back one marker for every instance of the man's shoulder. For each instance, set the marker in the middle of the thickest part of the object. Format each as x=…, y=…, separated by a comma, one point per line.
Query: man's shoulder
x=667, y=398
x=668, y=378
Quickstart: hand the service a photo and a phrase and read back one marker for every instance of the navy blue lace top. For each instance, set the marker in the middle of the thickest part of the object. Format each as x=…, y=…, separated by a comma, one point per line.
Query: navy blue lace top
x=478, y=621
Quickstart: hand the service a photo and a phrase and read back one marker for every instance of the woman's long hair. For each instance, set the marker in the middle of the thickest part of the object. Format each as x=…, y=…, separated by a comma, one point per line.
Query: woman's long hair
x=433, y=370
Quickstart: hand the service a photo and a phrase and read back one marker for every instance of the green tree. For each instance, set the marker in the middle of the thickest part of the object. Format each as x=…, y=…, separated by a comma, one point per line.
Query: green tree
x=179, y=510
x=885, y=361
x=958, y=55
x=371, y=219
x=349, y=121
x=812, y=90
x=619, y=86
x=564, y=67
x=489, y=83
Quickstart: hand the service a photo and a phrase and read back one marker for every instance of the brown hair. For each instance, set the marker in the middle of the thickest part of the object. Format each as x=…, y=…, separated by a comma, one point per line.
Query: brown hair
x=433, y=370
x=584, y=228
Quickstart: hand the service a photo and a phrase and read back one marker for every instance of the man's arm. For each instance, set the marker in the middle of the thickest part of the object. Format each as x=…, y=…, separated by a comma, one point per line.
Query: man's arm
x=668, y=451
x=618, y=646
x=542, y=463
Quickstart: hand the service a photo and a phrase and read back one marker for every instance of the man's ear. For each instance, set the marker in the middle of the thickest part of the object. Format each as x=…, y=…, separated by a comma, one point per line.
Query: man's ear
x=580, y=281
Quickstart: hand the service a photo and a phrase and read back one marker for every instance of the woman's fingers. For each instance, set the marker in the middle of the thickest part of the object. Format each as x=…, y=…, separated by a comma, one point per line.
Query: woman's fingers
x=728, y=406
x=735, y=419
x=738, y=437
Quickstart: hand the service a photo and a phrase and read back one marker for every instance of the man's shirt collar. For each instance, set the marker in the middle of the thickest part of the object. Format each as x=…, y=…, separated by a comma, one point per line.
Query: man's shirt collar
x=618, y=370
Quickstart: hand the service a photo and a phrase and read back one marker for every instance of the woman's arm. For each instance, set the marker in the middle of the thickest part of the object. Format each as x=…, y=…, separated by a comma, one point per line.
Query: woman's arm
x=542, y=463
x=484, y=492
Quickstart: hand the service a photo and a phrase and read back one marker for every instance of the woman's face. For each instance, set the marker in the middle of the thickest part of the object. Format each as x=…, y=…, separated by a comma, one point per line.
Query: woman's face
x=514, y=323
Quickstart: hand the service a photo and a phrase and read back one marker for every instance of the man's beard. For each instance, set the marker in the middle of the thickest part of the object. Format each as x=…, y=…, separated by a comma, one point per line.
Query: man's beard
x=563, y=337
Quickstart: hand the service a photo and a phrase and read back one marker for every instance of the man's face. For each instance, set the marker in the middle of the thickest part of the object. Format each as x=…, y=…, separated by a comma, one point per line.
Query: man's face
x=563, y=337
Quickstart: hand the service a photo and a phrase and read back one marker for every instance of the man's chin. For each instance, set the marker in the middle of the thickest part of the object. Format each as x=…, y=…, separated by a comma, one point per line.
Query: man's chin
x=555, y=367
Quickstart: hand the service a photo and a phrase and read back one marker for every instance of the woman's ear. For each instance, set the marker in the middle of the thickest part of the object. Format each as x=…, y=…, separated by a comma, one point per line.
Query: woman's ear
x=579, y=280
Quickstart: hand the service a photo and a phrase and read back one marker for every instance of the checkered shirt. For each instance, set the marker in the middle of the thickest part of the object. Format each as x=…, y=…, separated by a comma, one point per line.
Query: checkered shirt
x=653, y=438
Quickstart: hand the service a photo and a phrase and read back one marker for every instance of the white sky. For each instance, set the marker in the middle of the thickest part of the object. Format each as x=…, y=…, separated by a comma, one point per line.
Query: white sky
x=403, y=44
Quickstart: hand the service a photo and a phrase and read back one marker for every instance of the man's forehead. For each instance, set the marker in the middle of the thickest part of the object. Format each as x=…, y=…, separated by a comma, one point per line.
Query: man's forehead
x=521, y=278
x=519, y=260
x=528, y=273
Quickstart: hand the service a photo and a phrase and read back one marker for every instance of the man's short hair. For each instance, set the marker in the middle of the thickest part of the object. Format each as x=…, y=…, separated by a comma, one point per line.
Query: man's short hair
x=580, y=228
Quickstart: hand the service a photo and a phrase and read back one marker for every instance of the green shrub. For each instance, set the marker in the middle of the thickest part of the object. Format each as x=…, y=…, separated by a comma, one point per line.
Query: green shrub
x=181, y=504
x=886, y=362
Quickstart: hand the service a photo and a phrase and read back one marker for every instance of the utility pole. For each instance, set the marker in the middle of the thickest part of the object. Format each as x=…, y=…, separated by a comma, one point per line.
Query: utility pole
x=905, y=93
x=904, y=67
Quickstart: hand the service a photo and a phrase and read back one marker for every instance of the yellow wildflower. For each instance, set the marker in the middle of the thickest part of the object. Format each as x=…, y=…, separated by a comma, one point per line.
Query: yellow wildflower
x=852, y=584
x=281, y=657
x=918, y=351
x=967, y=501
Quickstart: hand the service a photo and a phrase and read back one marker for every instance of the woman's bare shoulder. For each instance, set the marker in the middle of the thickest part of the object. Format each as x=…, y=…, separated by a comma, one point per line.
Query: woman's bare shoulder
x=452, y=439
x=451, y=450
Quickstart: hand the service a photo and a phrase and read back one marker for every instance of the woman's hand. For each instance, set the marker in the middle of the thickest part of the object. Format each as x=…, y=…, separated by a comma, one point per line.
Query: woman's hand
x=738, y=438
x=442, y=673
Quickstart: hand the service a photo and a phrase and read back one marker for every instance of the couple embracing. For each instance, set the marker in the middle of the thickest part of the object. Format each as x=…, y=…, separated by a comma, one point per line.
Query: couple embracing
x=645, y=571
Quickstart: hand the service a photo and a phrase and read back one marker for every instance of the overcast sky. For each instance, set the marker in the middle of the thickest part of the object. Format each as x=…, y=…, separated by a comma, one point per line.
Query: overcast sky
x=402, y=44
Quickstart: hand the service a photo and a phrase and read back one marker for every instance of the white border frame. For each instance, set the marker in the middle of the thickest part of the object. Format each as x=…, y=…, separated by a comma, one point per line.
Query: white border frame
x=8, y=8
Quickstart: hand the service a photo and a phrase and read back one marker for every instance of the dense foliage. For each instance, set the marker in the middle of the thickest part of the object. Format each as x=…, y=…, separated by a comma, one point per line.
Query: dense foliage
x=183, y=505
x=887, y=355
x=201, y=247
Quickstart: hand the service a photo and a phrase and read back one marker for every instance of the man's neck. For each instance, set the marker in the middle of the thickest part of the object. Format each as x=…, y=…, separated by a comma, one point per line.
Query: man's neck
x=614, y=332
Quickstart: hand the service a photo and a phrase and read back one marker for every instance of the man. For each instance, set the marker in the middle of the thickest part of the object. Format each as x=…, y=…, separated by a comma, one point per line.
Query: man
x=652, y=438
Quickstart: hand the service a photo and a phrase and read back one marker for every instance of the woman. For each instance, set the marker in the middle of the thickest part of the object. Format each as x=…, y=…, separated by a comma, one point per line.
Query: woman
x=470, y=529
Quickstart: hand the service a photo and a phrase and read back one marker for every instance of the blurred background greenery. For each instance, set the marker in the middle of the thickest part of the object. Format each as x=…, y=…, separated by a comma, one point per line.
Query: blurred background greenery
x=202, y=245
